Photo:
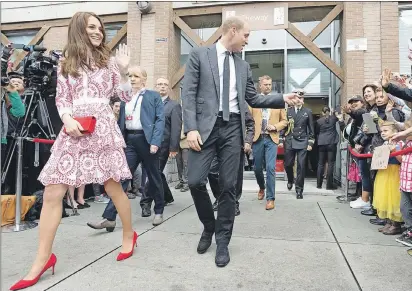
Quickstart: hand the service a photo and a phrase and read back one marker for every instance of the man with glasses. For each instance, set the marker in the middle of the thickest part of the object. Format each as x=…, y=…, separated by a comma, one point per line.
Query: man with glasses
x=299, y=139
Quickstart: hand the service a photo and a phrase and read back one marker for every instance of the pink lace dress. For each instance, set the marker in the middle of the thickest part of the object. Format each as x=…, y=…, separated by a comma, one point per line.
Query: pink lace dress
x=97, y=157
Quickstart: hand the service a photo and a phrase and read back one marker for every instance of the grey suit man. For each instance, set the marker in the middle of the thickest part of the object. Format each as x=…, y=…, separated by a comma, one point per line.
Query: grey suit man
x=215, y=87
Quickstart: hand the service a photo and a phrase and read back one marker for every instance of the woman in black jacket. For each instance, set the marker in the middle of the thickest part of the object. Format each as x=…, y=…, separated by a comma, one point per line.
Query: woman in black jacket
x=327, y=138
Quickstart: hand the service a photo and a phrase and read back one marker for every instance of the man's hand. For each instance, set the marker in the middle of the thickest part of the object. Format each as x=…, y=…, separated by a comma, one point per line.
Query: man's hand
x=153, y=149
x=292, y=99
x=386, y=77
x=248, y=148
x=172, y=154
x=194, y=140
x=271, y=127
x=309, y=148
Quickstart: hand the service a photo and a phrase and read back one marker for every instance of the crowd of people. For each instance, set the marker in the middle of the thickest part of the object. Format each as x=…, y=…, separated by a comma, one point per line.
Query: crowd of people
x=222, y=118
x=384, y=192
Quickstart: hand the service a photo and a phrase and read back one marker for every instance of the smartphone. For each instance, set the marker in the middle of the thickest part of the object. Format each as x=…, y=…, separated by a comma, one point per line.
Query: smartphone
x=338, y=109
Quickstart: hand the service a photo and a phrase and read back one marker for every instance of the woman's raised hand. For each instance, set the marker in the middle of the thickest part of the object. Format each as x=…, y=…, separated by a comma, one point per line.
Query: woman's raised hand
x=123, y=58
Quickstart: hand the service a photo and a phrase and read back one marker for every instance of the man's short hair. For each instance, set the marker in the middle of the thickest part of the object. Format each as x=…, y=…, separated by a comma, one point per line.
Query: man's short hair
x=265, y=77
x=232, y=21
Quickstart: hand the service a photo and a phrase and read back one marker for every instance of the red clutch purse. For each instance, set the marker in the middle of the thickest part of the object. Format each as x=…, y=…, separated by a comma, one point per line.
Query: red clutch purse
x=88, y=123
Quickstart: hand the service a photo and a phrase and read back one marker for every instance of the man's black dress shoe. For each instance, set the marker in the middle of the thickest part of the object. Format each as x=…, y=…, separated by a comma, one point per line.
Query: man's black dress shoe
x=222, y=256
x=204, y=242
x=299, y=194
x=369, y=212
x=290, y=185
x=146, y=212
x=377, y=221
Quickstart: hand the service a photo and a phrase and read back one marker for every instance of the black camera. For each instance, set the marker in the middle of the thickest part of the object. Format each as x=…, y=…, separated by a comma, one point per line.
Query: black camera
x=40, y=71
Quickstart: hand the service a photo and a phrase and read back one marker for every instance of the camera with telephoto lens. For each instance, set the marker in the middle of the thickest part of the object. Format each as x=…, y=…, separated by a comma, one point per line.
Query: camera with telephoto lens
x=5, y=56
x=40, y=71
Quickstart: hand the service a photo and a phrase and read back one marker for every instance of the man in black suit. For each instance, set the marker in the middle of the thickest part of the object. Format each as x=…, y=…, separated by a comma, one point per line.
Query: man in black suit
x=215, y=87
x=214, y=169
x=300, y=137
x=171, y=140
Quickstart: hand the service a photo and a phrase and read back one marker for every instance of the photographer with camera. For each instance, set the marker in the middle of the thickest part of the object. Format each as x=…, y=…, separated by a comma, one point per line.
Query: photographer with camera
x=12, y=106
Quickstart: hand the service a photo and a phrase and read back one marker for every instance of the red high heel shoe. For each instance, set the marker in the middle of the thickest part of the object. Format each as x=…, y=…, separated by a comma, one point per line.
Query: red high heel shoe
x=124, y=256
x=27, y=283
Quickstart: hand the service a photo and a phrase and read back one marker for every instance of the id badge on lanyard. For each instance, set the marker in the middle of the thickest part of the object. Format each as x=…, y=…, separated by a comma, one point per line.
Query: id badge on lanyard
x=130, y=117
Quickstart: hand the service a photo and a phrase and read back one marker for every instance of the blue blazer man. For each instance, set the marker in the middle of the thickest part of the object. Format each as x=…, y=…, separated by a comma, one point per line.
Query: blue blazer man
x=151, y=117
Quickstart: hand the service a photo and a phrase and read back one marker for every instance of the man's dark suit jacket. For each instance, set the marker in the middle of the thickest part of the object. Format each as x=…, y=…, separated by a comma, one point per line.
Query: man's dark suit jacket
x=201, y=91
x=151, y=117
x=301, y=132
x=250, y=126
x=173, y=125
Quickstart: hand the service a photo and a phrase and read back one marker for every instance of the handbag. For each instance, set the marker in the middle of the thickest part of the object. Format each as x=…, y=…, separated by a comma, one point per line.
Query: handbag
x=8, y=208
x=353, y=173
x=88, y=123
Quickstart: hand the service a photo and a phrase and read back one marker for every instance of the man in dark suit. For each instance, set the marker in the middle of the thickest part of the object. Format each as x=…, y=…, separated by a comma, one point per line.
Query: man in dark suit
x=300, y=137
x=215, y=87
x=171, y=140
x=141, y=122
x=214, y=169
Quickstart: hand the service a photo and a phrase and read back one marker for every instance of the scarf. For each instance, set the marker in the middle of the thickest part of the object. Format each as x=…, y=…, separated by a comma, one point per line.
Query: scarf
x=4, y=123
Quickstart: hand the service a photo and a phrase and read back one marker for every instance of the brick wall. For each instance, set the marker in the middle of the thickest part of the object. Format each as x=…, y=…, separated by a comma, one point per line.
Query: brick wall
x=134, y=19
x=378, y=22
x=155, y=46
x=55, y=38
x=390, y=35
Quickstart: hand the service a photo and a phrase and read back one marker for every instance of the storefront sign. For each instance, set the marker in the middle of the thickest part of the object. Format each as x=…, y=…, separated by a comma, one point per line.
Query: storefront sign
x=260, y=16
x=161, y=39
x=357, y=44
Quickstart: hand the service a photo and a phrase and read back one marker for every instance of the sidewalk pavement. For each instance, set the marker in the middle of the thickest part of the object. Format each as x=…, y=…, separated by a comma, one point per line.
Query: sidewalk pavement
x=312, y=244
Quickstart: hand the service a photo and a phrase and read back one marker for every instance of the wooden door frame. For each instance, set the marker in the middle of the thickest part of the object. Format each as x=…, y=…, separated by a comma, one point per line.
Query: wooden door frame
x=307, y=41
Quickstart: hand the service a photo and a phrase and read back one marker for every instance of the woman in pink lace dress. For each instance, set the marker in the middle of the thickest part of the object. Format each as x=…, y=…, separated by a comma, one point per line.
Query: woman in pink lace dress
x=87, y=78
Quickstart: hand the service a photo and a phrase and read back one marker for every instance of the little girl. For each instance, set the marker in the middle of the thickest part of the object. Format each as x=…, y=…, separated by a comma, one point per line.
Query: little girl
x=387, y=195
x=406, y=184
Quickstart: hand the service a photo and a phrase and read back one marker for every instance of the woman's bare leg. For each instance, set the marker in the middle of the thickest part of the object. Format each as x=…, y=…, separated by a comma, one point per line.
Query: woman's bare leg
x=122, y=203
x=50, y=217
x=80, y=194
x=71, y=193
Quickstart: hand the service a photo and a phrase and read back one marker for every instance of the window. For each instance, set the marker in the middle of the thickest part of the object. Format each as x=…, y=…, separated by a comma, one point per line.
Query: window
x=405, y=36
x=323, y=40
x=307, y=72
x=269, y=63
x=20, y=37
x=111, y=30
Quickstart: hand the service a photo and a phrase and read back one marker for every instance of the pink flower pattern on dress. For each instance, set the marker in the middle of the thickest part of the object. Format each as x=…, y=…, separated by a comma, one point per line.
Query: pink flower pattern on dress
x=97, y=157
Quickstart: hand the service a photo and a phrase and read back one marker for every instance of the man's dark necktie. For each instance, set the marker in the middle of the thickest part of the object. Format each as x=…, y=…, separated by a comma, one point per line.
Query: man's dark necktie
x=226, y=83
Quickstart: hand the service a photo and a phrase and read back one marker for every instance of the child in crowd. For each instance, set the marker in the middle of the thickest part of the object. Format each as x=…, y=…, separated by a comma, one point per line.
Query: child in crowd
x=406, y=184
x=387, y=195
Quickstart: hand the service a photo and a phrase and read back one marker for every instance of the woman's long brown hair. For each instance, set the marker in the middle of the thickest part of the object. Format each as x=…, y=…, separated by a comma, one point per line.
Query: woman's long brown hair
x=78, y=45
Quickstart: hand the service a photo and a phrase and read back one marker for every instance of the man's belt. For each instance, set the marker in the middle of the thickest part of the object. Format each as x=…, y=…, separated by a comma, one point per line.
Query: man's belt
x=138, y=131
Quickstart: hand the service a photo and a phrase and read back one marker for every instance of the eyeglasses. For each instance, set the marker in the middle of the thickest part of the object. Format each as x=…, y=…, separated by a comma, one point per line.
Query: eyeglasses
x=162, y=84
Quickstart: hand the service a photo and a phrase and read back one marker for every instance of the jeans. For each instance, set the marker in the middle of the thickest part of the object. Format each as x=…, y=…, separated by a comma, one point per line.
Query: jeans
x=364, y=168
x=406, y=208
x=266, y=148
